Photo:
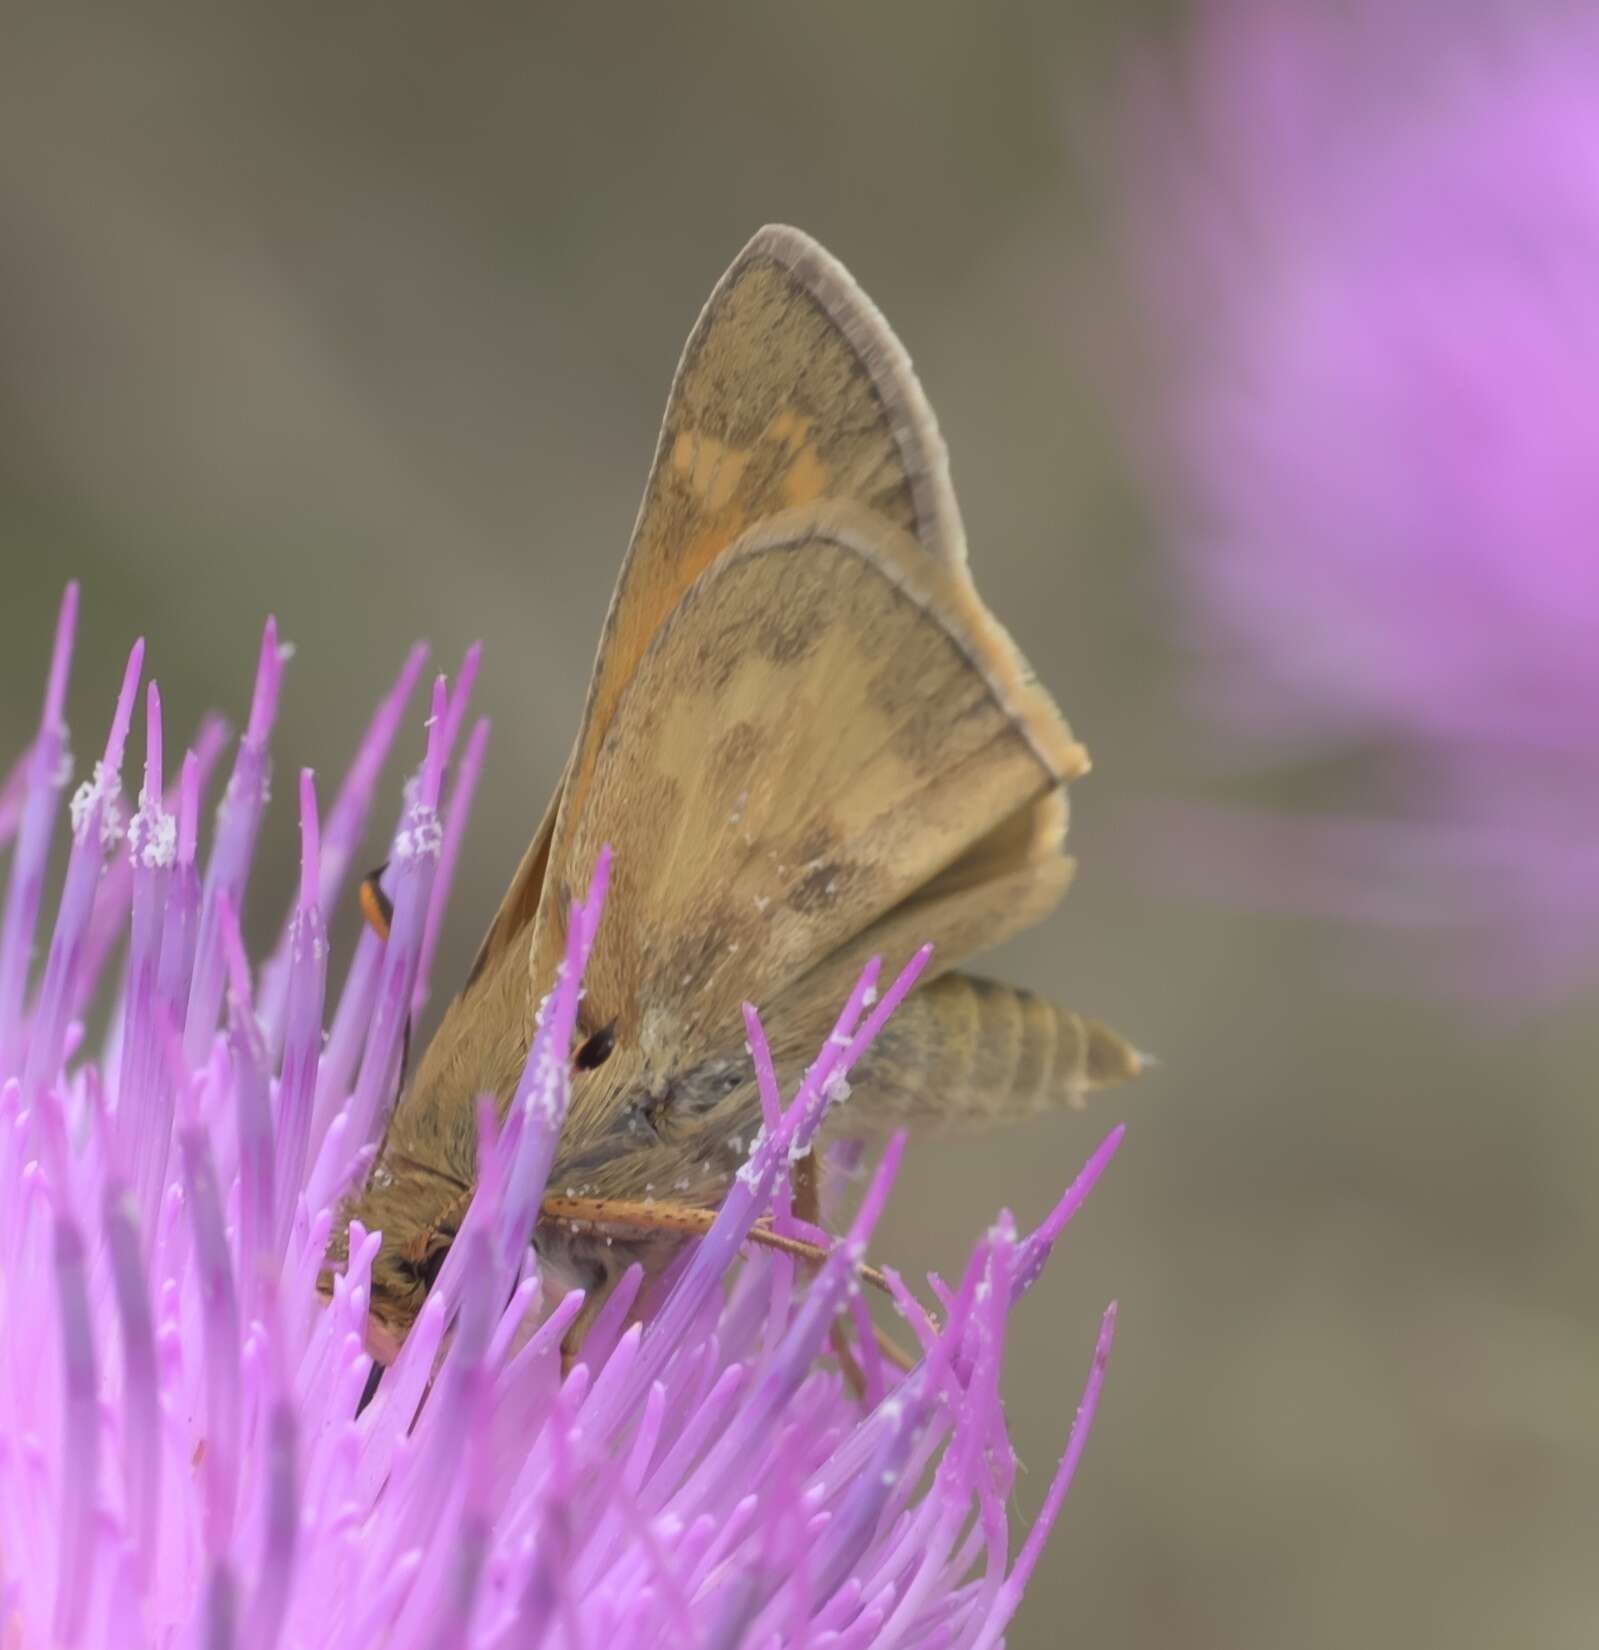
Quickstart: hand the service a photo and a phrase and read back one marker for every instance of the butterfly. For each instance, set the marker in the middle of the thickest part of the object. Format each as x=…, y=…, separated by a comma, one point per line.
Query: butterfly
x=808, y=743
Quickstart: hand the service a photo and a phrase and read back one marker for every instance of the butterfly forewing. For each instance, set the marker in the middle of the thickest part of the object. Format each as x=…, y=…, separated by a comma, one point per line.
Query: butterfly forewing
x=791, y=389
x=806, y=741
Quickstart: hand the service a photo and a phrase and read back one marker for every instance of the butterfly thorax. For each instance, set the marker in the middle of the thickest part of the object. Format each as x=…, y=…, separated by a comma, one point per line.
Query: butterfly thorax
x=641, y=1127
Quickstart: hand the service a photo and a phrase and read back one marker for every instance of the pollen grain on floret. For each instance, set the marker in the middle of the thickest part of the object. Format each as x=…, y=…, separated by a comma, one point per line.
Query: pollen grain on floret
x=102, y=792
x=422, y=835
x=152, y=835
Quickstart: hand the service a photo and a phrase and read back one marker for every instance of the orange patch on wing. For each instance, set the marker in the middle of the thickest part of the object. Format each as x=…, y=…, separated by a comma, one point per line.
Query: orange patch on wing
x=711, y=540
x=806, y=478
x=710, y=467
x=789, y=428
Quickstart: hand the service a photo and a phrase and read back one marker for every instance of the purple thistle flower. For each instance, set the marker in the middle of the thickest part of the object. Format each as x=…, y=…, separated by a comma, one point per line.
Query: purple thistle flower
x=185, y=1458
x=1372, y=240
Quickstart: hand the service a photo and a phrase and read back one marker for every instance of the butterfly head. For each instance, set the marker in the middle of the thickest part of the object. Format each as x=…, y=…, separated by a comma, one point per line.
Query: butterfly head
x=634, y=1131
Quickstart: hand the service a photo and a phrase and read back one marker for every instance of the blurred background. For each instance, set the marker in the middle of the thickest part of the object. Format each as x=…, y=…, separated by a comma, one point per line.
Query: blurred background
x=365, y=317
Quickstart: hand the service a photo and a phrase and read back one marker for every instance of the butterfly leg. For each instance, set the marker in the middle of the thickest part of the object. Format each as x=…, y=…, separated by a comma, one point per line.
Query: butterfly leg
x=808, y=1189
x=685, y=1221
x=808, y=1207
x=577, y=1331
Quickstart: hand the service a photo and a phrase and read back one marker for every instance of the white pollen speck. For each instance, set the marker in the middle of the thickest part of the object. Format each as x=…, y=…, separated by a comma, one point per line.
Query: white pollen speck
x=422, y=836
x=102, y=791
x=83, y=800
x=870, y=997
x=286, y=651
x=111, y=831
x=152, y=836
x=762, y=901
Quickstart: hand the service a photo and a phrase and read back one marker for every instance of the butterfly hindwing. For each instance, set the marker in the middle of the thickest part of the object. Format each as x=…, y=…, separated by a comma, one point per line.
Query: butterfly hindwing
x=827, y=725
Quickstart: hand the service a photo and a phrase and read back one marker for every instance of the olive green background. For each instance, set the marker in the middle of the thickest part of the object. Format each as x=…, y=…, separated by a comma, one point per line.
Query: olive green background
x=367, y=319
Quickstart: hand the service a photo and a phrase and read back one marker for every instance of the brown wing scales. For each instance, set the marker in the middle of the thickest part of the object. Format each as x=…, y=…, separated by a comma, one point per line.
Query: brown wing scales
x=521, y=903
x=808, y=744
x=791, y=390
x=1007, y=881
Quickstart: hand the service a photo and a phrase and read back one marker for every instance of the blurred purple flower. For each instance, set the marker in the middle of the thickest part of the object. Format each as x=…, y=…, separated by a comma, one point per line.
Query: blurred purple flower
x=1370, y=235
x=183, y=1455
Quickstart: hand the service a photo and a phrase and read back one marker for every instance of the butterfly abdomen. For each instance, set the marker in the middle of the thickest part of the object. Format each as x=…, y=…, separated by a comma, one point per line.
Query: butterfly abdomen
x=965, y=1054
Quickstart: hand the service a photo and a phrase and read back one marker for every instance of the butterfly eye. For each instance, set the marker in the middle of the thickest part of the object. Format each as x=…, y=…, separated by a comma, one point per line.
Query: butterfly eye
x=597, y=1050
